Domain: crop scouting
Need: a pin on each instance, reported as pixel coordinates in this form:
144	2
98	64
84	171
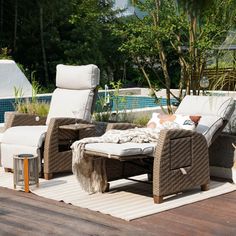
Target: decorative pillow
154	122
159	121
185	122
195	119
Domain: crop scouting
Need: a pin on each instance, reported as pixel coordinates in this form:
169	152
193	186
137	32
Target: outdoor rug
127	199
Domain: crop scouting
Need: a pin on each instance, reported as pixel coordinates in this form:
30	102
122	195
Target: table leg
26	174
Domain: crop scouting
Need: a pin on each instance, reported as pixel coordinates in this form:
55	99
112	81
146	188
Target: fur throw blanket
90	172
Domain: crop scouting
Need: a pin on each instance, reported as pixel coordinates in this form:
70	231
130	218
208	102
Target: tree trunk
15	25
182	69
1	19
43	43
166	76
193	53
162	56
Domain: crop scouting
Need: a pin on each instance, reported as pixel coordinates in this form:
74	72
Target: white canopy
12	77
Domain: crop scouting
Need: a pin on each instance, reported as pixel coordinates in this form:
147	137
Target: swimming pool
7	104
121	103
128	102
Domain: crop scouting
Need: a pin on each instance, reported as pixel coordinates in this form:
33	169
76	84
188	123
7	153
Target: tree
41	34
188	29
146	40
41	26
91	39
207	25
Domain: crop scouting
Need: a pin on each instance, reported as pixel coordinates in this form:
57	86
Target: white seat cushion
123	149
1	135
205	105
208	125
9	150
32	136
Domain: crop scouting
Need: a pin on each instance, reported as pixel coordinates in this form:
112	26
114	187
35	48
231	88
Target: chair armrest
51	139
179	151
51	147
22	119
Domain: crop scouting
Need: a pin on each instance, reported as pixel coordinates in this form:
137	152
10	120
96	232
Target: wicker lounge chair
181	160
76	90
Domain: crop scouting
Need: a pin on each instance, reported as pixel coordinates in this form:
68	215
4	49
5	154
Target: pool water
7	104
120	103
132	102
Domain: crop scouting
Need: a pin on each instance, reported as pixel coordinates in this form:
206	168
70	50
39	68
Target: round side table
26	172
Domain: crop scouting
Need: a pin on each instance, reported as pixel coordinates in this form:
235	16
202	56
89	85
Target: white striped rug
127	200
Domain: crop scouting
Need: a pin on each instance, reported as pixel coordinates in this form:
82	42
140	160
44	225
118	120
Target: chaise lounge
180	157
76	90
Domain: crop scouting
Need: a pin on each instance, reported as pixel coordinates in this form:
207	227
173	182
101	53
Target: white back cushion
205	105
77	77
64	101
208	125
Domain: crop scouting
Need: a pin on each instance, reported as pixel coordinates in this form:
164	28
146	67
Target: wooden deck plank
215	216
28	214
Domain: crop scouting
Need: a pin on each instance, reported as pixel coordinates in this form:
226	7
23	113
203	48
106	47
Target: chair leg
8	170
48	176
150	177
205	187
107	188
157	199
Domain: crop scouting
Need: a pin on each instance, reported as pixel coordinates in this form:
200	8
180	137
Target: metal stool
26	172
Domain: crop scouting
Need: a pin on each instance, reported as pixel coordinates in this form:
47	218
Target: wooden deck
27	214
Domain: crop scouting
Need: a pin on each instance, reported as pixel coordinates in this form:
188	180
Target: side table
73	132
26	171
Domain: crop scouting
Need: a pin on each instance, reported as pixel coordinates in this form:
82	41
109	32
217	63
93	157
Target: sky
122	4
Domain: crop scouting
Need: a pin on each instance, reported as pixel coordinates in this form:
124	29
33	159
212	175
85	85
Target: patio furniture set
178	161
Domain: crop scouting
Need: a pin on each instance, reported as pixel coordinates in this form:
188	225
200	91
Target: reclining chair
180	159
76	90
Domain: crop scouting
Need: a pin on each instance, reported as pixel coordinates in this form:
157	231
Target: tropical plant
112	106
141	120
4	53
18	93
103	109
36	108
31	106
